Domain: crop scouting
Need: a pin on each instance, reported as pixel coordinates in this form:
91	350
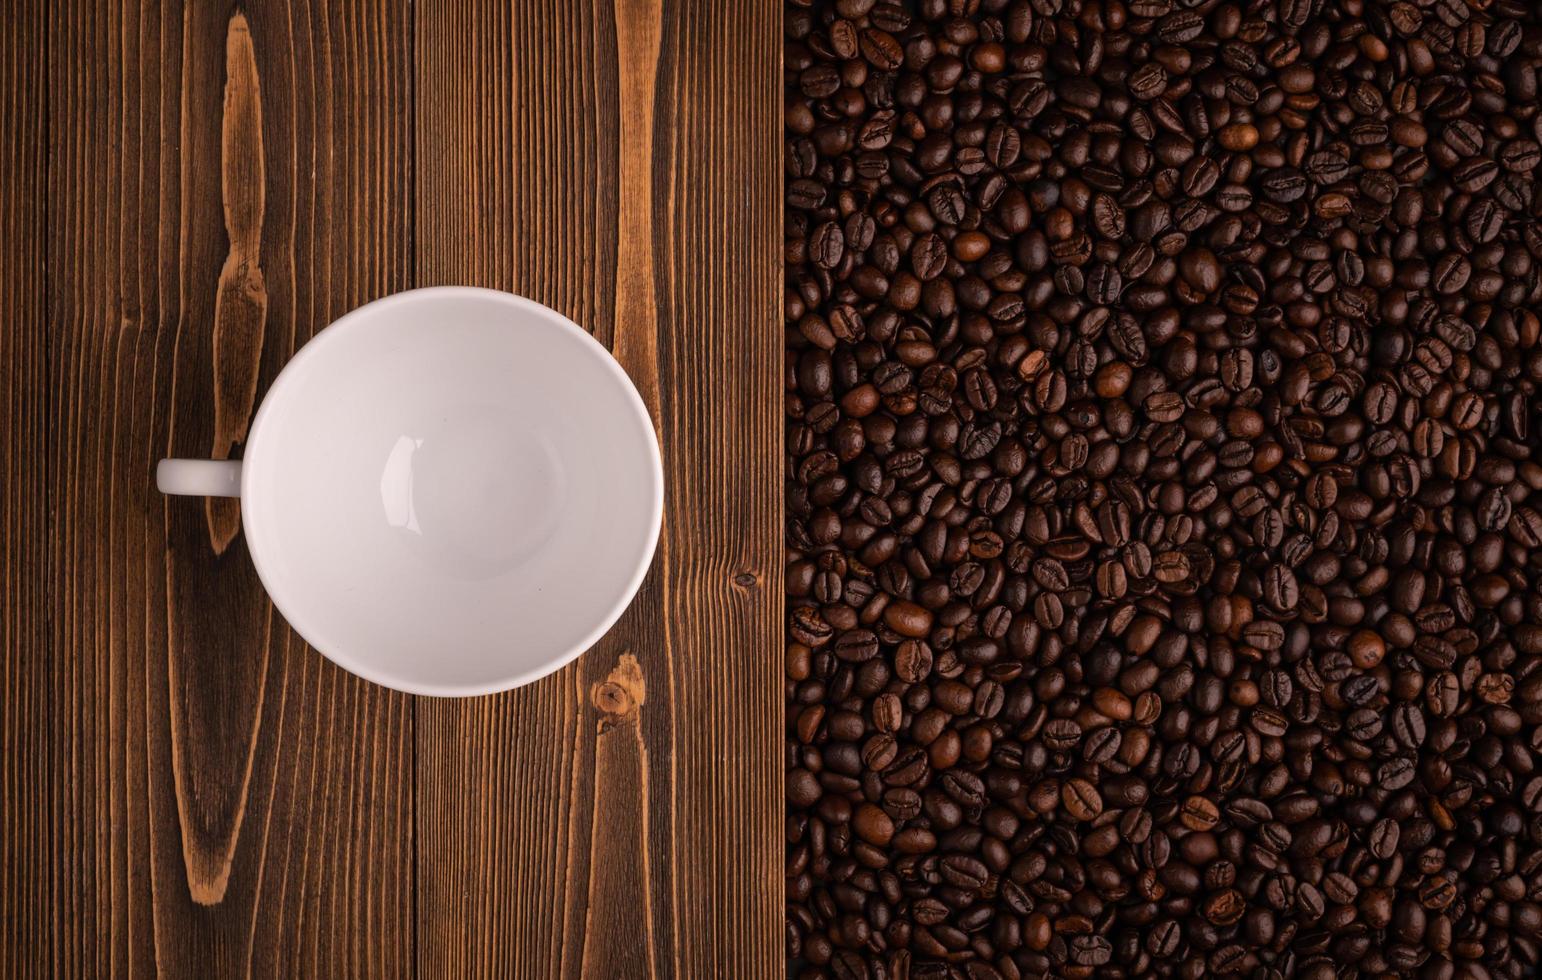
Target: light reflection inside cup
476	497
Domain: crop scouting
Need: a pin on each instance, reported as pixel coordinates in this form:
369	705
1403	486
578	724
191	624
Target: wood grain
221	186
189	191
619	162
241	303
29	753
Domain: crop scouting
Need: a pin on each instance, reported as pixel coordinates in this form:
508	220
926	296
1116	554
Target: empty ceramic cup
450	491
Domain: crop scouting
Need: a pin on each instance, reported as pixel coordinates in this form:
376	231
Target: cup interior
452	491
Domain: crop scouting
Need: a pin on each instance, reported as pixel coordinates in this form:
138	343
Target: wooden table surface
189	191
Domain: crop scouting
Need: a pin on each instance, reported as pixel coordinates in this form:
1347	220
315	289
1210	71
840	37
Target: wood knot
621	694
612	698
746	580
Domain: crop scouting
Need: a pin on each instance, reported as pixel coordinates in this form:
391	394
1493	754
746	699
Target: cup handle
199	477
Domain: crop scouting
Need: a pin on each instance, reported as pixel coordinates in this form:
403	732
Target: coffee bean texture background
1164	488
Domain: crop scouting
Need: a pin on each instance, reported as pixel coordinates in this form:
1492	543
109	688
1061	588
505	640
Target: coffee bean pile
1164	488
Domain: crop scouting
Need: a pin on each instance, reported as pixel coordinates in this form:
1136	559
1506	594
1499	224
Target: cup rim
343	330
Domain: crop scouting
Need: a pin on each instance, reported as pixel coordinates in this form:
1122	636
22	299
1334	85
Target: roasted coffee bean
856	645
1082	800
964	872
1163	488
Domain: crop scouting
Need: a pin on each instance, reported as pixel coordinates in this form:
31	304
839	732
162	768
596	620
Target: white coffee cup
449	491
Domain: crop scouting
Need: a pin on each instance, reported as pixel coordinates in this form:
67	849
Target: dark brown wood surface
188	192
30	754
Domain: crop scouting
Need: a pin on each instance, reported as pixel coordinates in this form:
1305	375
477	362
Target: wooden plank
29	754
618	160
222	185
